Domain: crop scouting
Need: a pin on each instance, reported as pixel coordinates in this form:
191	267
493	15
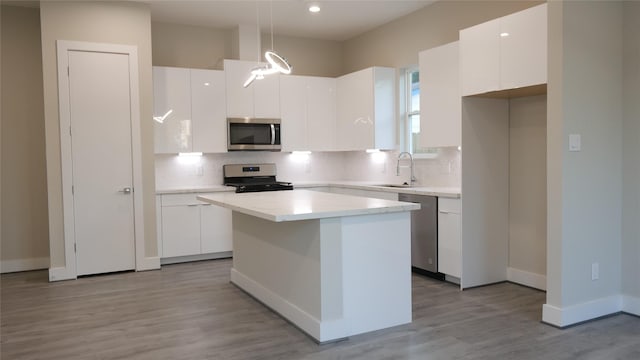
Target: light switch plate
575	142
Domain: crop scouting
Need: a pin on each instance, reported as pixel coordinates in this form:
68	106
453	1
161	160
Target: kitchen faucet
400	157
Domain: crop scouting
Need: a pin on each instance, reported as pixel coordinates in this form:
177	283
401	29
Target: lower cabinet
191	227
449	241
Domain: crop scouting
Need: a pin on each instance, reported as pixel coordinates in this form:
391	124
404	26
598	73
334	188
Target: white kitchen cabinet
215	229
208	109
321	113
293	106
180	230
440	101
366	110
261	99
189	110
449	241
307	107
172	110
191	227
505	53
523	54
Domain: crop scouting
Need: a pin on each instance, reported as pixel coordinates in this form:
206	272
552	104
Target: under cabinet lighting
314	8
504	34
190	154
300	152
372	151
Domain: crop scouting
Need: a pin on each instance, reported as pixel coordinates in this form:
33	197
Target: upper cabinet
505	53
172	110
208	109
189	110
261	99
440	102
366	110
307	105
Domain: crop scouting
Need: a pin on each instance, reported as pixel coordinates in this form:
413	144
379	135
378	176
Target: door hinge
72	190
75	249
68	72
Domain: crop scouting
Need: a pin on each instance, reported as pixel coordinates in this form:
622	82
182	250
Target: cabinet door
384	112
523	53
480	58
159	224
266	97
355	121
180	230
172	110
321	113
440	102
215	225
239	98
208	106
449	243
294	112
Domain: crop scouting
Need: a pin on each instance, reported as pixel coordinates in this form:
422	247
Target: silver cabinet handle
126	190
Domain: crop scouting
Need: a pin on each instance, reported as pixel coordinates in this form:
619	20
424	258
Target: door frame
63	47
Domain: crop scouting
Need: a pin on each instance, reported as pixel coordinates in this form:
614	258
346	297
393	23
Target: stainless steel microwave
253	134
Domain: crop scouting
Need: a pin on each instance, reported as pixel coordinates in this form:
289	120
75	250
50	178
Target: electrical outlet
595	271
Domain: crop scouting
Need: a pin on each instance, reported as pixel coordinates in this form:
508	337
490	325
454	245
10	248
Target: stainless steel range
253	178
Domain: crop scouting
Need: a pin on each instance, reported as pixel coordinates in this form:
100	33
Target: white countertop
448	192
295	205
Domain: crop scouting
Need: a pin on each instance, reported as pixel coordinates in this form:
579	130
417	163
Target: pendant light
275	63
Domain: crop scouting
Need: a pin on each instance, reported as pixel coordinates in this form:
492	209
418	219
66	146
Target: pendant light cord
271	15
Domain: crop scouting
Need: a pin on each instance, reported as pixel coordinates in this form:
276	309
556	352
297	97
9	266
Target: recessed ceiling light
314	8
504	34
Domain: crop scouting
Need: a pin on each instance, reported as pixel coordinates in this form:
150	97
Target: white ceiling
338	20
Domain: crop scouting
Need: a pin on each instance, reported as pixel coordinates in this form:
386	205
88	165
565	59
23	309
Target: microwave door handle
273	134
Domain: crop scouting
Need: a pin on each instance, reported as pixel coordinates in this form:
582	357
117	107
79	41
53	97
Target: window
411	125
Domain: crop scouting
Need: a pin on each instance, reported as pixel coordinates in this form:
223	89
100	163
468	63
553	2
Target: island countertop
293	205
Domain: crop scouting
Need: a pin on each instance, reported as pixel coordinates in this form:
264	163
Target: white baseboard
321	331
15	265
61	273
182	259
631	305
526	278
578	313
148	263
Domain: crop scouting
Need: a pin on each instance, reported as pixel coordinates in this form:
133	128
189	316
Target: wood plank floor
191	311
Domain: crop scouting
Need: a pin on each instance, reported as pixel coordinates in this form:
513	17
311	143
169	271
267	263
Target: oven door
253	134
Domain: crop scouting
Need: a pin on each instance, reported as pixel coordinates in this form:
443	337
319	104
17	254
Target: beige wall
528	184
25	231
631	151
106	22
308	56
189	46
205	48
397	43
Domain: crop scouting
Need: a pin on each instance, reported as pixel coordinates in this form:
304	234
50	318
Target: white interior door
100	115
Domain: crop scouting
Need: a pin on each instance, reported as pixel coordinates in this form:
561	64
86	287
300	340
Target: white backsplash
173	171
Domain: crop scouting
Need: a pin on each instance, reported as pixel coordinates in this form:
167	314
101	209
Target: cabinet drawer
180	200
449	205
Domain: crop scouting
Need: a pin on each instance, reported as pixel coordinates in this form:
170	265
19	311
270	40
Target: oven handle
273	134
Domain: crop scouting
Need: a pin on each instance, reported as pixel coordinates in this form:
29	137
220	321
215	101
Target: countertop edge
418	190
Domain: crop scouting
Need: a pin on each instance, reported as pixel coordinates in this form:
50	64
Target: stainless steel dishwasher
424	234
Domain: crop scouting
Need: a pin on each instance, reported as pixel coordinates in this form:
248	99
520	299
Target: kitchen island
333	265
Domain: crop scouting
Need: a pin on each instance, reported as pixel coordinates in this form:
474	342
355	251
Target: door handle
126	190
